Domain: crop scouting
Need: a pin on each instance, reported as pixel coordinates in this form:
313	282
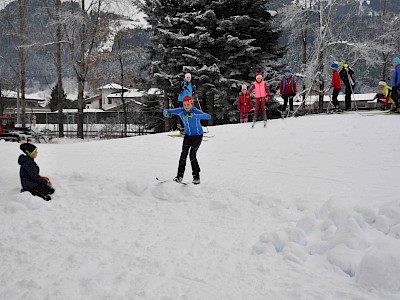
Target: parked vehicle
9	132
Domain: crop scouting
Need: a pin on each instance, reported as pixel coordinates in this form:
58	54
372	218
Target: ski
205	137
265	124
170	180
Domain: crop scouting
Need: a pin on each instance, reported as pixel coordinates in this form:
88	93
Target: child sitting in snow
31	181
190	117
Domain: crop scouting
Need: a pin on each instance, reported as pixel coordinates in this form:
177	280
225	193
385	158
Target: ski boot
196	179
254	122
178	178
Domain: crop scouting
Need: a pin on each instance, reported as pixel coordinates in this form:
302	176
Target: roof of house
131	93
112	86
129	102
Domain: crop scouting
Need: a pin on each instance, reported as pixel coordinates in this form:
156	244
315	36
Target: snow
306	208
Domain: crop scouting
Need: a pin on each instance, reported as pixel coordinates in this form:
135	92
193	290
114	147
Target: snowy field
307	208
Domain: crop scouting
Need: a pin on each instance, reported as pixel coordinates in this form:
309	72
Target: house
113	95
34	103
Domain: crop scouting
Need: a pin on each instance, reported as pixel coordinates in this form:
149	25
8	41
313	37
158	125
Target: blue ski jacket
186	89
191	119
396	77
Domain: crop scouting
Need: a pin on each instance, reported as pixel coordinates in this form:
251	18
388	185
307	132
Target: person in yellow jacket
386	97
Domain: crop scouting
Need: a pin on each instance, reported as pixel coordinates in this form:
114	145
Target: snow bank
292	211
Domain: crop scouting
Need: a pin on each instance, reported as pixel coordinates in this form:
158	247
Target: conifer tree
221	43
53	104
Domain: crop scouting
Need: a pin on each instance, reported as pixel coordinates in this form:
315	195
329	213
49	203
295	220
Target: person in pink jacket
245	105
261	91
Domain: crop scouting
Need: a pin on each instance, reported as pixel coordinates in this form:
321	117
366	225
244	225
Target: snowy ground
307	208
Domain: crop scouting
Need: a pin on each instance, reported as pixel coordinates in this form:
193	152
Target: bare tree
22	15
59	69
83	31
327	36
389	29
55	16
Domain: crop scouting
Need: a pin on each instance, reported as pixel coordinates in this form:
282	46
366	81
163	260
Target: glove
167	114
188	116
186	87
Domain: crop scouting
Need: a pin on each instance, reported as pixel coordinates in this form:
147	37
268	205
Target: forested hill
39	43
40	66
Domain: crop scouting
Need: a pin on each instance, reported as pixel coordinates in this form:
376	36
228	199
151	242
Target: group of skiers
389	98
191	116
342	72
287	88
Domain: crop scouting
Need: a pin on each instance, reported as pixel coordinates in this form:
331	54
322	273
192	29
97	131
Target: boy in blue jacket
190	117
186	88
31	181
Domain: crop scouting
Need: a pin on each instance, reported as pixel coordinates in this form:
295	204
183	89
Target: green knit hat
28	148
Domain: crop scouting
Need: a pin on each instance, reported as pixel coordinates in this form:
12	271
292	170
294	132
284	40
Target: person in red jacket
245	105
261	91
335	84
288	88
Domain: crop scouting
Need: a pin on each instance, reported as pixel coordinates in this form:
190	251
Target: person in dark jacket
288	89
346	74
396	82
31	181
190	117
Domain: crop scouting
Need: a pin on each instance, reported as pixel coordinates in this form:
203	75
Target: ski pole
198	102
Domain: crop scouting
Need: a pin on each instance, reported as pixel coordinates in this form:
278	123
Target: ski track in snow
306	208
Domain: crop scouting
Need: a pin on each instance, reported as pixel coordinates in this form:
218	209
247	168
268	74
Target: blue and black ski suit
193	136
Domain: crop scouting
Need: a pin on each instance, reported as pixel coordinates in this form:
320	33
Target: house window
109	101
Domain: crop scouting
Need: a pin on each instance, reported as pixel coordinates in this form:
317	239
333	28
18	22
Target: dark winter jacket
396	77
288	85
244	103
346	74
29	173
191	119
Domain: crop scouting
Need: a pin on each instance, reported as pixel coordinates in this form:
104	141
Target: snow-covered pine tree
223	44
242	41
172	42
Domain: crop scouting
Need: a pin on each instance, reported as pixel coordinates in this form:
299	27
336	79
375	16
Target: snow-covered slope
306	208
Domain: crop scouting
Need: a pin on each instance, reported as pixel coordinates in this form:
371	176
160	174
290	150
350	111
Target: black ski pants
190	146
335	94
395	95
287	97
41	191
347	97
